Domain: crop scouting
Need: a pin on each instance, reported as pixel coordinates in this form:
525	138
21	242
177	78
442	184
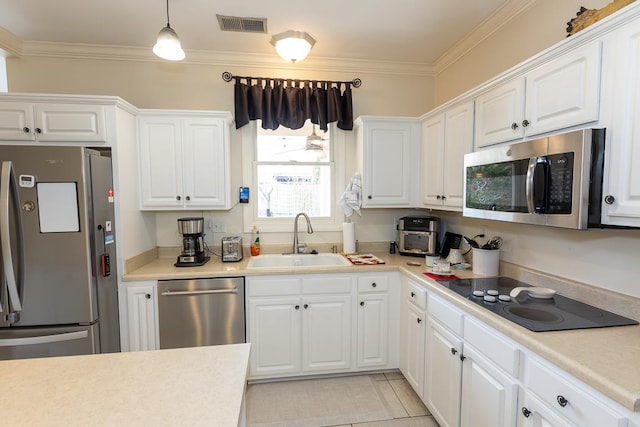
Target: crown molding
9	43
225	59
489	26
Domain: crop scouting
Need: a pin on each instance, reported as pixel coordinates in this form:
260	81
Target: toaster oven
231	249
418	235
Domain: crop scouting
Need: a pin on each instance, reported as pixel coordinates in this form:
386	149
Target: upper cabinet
560	93
184	161
621	183
60	122
446	138
388	158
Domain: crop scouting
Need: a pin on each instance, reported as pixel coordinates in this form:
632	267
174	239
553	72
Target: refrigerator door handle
43	339
8	191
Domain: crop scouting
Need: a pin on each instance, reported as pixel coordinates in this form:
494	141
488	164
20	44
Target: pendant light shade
293	46
168	45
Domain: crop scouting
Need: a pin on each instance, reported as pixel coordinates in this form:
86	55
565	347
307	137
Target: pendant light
292	45
168	44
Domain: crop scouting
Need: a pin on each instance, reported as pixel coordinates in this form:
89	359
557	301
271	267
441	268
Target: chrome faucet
295	230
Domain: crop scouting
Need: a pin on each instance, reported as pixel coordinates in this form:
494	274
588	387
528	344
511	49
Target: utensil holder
486	262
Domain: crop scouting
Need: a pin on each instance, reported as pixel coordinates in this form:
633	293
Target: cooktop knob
478	293
493	292
489	298
504	298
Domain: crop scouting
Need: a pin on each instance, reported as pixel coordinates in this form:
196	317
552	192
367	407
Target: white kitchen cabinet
372	346
49	122
560	93
184	161
412	341
141	317
446	138
443	382
621	184
388	159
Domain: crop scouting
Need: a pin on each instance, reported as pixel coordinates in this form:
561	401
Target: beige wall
195	86
535	29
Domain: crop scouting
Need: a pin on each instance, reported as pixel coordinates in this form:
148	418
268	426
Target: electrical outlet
219	227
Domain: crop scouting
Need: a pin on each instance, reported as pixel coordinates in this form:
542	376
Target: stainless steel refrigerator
58	294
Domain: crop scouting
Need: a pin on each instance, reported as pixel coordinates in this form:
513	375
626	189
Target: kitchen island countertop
186	386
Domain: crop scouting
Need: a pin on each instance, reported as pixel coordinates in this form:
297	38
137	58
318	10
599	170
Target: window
294	171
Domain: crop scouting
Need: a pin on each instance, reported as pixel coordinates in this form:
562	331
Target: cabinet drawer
489	342
446	314
376	283
417	295
326	285
271	286
580	407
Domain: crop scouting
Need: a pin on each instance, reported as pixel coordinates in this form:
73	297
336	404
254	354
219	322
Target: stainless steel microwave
555	181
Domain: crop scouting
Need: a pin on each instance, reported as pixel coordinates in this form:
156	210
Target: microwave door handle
9	191
529	184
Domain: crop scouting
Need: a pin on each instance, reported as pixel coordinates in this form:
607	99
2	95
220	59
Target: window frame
280	224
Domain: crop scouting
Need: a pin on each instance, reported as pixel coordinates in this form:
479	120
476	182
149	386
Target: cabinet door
70	122
373	321
621	186
564	92
141	318
443	380
458	141
489	396
274	334
499	114
160	163
433	160
326	333
16	121
204	163
415	350
386	171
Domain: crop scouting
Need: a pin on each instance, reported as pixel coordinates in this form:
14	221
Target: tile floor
404	406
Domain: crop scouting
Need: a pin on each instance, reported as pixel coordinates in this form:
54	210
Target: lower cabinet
412	334
319	323
138	329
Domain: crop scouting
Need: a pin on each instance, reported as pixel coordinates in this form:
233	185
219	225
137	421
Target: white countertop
187	386
605	358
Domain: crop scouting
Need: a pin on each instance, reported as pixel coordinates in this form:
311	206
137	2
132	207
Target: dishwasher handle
203	292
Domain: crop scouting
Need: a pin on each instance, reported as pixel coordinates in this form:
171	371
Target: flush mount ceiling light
168	44
292	45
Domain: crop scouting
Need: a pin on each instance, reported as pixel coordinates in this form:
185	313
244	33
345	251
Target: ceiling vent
243	25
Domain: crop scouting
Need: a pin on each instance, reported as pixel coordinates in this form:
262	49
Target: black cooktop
538	315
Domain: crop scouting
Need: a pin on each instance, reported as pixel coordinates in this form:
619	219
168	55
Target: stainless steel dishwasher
201	312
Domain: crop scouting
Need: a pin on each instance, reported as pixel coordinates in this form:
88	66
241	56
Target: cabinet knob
373	285
514	126
562	401
188	198
297	307
362	303
609	199
462	357
444	197
438	197
147	296
38	130
26	129
525	123
306	306
369	197
453	351
419	320
413	294
526	412
178	198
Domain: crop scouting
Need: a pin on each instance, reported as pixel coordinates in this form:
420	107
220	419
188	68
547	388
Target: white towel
351	199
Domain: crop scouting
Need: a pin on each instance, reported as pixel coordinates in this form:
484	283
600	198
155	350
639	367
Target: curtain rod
227	77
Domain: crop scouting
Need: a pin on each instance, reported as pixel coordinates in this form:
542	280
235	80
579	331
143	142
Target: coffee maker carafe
193	251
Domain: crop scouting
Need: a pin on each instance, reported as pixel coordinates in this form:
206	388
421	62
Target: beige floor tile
393	375
409	398
378	377
426	421
391	399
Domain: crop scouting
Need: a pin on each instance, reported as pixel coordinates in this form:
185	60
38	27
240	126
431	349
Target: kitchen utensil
413	263
471	242
495	243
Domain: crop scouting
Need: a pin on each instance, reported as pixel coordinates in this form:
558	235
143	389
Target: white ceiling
417	31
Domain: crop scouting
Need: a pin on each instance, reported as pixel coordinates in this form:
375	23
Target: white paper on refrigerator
58	207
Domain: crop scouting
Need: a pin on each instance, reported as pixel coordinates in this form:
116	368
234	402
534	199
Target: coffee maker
193	251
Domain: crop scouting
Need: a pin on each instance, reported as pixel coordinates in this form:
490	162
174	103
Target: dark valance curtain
290	103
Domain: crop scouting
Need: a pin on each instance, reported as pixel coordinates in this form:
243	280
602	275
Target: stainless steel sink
297	261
